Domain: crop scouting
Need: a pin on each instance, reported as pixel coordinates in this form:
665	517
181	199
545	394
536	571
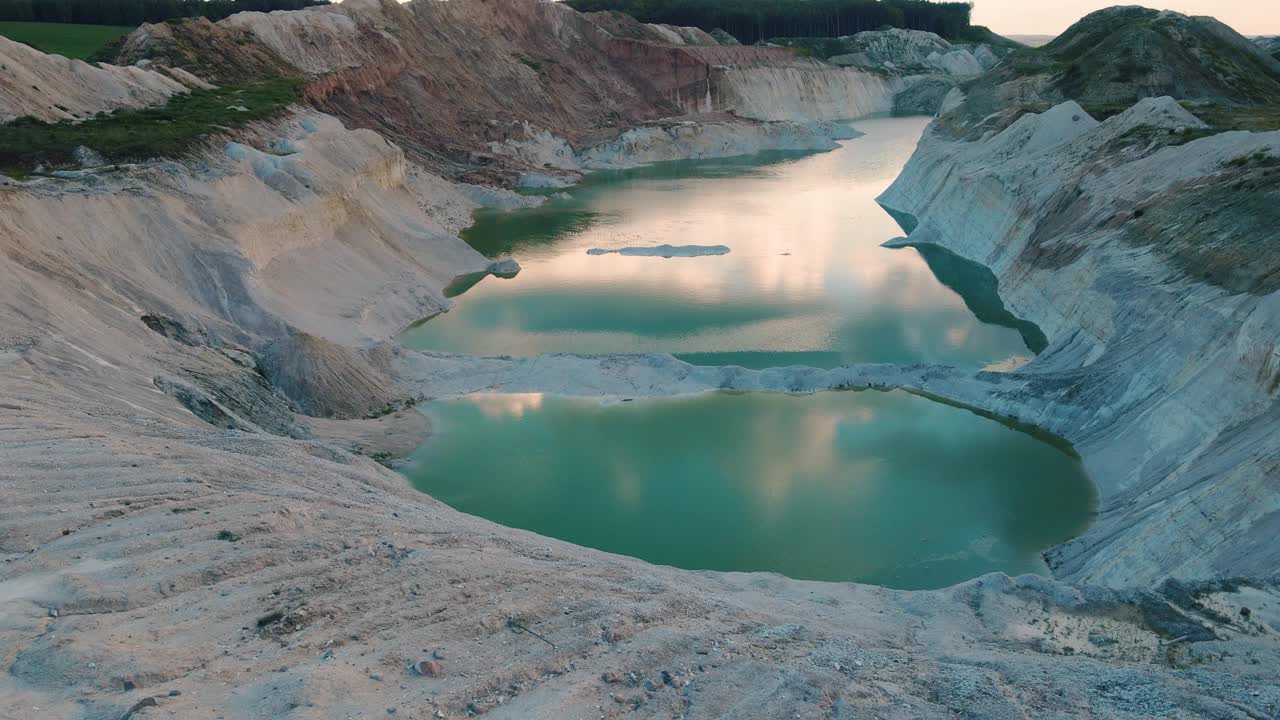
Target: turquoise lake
875	487
805	283
884	488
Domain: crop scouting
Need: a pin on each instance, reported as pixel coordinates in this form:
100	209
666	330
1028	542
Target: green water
806	281
883	488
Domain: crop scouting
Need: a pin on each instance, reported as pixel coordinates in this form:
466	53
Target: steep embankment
497	74
920	66
51	87
1271	46
1144	251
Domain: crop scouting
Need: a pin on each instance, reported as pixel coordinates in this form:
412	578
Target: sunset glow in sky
1050	17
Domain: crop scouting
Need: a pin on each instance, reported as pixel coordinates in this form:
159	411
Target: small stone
53	612
129	685
1100	640
391	711
651	685
667	678
175	693
506	268
375	677
427	668
438	655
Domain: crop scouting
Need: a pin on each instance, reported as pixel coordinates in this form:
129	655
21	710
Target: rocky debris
427	668
1270	45
899	51
202	405
137	707
87	158
621	25
724	38
325	379
924	96
926	66
174	330
505	268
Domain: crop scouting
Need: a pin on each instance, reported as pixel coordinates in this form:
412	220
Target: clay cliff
497	72
1143	246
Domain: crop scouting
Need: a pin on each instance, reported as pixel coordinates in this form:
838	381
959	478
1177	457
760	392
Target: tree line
135	12
754	20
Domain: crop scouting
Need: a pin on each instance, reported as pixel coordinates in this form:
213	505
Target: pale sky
1050	17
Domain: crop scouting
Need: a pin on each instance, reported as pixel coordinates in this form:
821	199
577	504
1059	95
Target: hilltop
1115	57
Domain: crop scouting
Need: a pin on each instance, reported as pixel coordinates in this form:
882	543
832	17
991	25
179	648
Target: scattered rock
87	157
506	268
611	677
143	703
269	618
427	668
1100	640
724	38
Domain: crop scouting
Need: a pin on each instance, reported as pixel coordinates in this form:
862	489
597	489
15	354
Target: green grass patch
1222	117
73	41
168	131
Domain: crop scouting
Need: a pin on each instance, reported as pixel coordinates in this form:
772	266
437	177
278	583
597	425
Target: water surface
883	488
806	281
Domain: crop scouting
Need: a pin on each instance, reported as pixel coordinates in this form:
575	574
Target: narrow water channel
805	282
884	488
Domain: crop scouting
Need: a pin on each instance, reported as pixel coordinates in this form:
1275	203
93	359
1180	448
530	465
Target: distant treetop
751	21
135	12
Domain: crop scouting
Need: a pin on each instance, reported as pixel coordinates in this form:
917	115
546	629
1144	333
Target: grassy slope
73	41
1109	60
127	135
